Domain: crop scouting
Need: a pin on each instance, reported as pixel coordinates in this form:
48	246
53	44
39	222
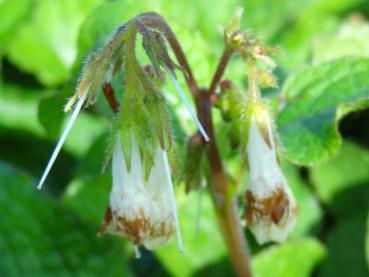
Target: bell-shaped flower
271	207
141	210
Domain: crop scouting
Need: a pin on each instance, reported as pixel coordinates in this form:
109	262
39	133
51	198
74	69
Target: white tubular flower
271	212
143	211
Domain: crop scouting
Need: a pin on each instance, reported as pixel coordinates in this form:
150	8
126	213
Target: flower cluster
271	207
142	205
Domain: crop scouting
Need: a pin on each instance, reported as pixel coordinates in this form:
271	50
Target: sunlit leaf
349	40
18	108
313	19
12	13
46	44
291	259
318	97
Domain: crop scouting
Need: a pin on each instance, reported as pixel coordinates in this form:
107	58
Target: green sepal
233	105
259	110
98	66
156	49
232	101
192	174
143	115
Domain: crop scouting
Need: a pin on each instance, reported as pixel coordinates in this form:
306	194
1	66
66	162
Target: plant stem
227	53
110	97
225	204
253	89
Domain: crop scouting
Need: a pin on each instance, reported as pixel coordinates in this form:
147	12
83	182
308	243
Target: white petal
63	137
128	194
188	105
262	158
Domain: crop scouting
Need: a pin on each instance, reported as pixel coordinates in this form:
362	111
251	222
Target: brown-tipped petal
141	209
271	207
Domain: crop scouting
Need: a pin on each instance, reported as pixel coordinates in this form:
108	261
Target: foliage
321	111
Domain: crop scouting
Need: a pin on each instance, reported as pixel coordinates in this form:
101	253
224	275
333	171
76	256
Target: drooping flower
271	206
143	211
142	205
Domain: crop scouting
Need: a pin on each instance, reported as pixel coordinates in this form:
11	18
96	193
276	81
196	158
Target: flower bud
140	209
271	207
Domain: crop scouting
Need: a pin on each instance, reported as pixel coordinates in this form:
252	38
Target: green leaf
89	197
291	259
202	241
258	14
367	241
38	237
349	40
310	212
317	98
18	108
51	115
312	20
337	184
46	44
12	13
346	249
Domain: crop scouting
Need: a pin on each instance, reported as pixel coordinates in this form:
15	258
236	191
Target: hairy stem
253	89
227	53
225	204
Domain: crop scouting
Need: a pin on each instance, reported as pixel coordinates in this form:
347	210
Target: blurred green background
53	232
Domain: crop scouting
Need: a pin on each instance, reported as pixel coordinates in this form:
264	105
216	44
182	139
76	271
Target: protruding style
63	137
188	105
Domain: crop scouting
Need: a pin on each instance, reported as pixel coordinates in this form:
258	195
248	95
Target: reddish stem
227	53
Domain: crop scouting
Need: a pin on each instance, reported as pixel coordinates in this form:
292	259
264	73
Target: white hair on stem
63	137
187	104
172	199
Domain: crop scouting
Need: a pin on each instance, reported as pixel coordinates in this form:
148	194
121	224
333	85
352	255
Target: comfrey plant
142	205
